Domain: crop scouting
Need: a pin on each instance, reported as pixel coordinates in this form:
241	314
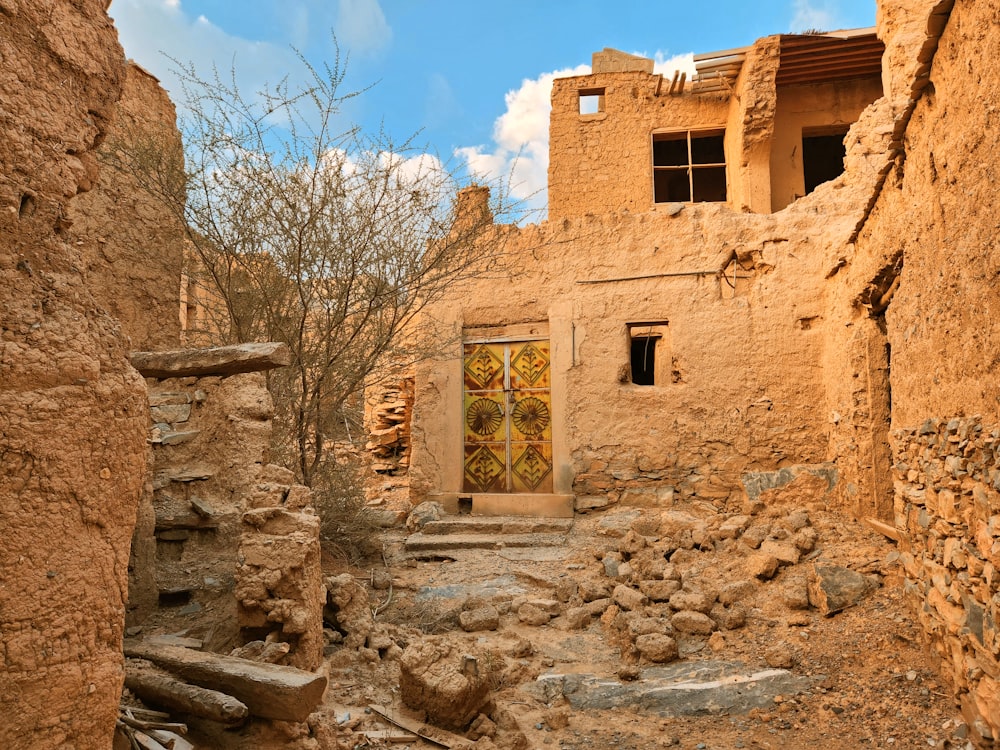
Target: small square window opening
591	101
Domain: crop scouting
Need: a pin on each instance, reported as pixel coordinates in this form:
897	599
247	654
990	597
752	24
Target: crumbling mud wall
72	411
935	221
229	545
132	246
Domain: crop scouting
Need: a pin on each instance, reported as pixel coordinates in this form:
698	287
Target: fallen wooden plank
170	740
166	690
435	735
146	742
269	690
885	529
390	736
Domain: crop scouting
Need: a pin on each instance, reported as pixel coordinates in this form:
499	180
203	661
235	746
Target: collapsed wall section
72	411
227	545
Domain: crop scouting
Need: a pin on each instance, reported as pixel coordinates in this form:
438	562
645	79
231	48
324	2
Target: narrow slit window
648	354
644	360
689	166
591	101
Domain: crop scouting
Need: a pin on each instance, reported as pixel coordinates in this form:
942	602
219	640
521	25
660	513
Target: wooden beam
269	691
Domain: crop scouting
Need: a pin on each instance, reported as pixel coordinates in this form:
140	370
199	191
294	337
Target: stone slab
676	690
219	360
509	504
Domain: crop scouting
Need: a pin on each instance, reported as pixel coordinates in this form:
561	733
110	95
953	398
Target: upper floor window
591	101
689	166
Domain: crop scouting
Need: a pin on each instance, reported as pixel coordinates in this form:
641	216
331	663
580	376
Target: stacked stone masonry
947	478
225	539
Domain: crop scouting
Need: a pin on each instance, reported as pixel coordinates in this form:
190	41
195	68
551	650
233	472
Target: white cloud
520	152
810	14
361	26
150	30
666	66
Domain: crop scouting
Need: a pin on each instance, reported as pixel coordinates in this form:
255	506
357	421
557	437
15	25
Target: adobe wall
743	371
72	411
132	247
601	163
229	546
937	213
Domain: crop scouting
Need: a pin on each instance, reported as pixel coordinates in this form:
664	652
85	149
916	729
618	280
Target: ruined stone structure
72	411
226	542
708	308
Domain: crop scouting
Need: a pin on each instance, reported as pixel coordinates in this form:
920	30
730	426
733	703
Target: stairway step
497	525
420	542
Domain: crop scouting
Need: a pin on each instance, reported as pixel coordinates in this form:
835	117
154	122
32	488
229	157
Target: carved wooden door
508	417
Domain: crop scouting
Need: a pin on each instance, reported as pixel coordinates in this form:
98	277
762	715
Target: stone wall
947	477
72	411
924	272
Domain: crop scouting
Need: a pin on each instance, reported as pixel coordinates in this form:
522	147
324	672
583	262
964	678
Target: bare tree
313	233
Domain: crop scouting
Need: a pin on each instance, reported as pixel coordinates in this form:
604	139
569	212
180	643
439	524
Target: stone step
420	542
505	525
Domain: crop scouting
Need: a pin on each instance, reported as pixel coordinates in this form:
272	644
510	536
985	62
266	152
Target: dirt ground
870	682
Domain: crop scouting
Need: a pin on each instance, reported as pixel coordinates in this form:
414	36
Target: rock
732	527
645	625
656	647
735	591
556	718
481	727
780	656
717	642
348	610
442	680
567	589
833	588
529	614
593	590
805	540
795	591
673	690
577	618
695	623
481	618
762	566
424	513
612	561
755	535
729	618
631	543
691	600
797	519
628	598
785	553
598	606
659	591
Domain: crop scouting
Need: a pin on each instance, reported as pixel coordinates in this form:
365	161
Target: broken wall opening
823	153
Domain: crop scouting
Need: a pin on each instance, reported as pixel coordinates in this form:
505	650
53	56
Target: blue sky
472	77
